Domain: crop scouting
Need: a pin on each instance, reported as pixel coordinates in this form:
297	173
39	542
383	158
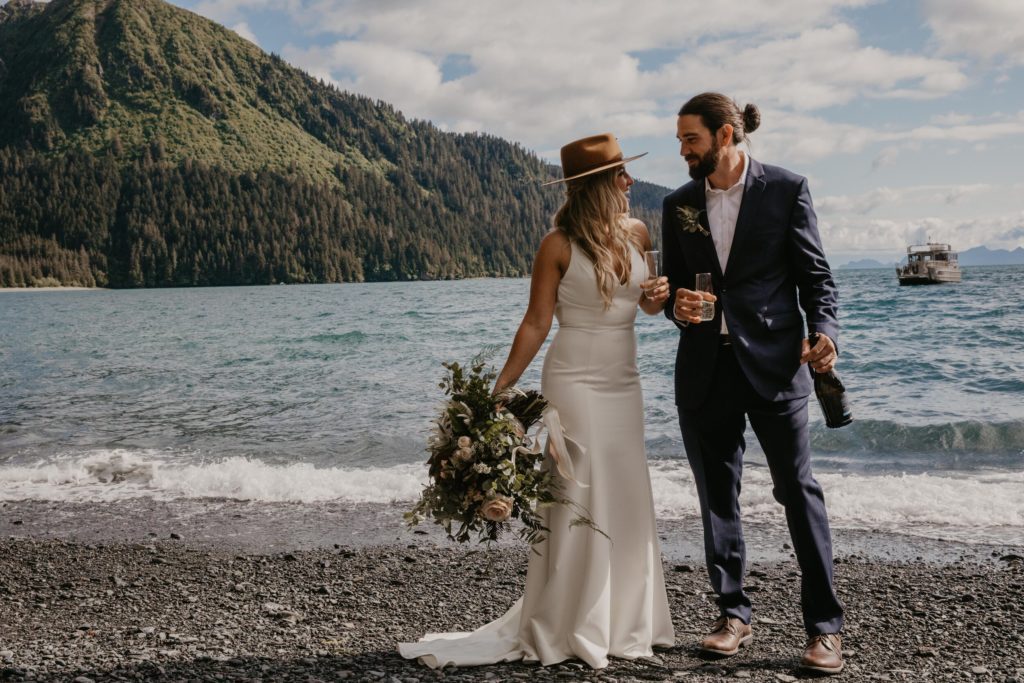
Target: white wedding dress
587	596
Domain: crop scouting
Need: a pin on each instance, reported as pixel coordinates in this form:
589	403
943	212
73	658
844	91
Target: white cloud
951	119
990	29
850	234
818	68
882	197
956	194
883	221
886	157
232	11
242	29
857	204
545	81
971	133
802	138
575	26
374	69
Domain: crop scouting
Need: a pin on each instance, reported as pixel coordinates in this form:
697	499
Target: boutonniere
689	220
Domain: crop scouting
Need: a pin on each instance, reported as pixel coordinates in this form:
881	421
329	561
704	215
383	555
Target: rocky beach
169	606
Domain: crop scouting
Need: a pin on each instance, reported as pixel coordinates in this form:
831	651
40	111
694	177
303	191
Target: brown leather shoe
728	635
824	654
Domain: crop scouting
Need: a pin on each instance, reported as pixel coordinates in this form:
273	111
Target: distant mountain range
976	256
864	264
142	145
983	256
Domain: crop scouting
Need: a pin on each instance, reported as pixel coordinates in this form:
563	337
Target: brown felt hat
591	155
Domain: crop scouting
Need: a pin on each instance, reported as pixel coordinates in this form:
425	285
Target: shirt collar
739	183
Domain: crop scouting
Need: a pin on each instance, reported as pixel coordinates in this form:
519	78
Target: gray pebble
374	599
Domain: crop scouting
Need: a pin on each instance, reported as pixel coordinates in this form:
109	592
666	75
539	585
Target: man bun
716	110
751	118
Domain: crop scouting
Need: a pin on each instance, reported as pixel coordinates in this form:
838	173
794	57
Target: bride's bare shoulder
639	230
557	237
555	247
556	241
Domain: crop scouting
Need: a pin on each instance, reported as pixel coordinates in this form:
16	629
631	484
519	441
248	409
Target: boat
929	264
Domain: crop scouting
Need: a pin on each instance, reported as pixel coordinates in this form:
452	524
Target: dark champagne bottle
831	395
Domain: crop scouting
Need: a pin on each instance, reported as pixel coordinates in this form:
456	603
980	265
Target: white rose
497	508
465	442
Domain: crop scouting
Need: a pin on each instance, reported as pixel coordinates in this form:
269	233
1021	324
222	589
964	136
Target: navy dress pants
713	437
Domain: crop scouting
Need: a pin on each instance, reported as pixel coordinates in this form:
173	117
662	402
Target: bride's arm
650	303
548	267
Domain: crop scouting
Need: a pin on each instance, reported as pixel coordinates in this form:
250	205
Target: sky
907	116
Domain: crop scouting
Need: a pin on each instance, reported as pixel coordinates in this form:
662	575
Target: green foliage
481	456
174	152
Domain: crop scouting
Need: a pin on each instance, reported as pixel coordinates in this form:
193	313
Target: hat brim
592	171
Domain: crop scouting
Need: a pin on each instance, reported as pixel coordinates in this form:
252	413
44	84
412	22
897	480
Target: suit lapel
702	243
753	189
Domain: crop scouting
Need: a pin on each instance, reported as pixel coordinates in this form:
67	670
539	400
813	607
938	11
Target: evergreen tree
252	172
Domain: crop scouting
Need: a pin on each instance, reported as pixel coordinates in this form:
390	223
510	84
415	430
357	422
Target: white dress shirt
723	210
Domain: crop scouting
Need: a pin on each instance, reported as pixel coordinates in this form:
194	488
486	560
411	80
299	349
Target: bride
587	596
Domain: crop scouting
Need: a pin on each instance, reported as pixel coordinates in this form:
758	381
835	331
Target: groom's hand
822	356
687	305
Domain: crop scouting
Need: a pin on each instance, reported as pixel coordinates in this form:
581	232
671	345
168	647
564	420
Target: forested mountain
143	145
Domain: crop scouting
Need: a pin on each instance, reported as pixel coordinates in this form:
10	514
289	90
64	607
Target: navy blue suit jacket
776	268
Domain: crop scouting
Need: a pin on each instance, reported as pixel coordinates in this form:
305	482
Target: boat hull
932	277
916	280
929	264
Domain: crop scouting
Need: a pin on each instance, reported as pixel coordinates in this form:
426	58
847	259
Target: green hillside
142	145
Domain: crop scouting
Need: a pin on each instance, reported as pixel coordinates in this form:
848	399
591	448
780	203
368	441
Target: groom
752	227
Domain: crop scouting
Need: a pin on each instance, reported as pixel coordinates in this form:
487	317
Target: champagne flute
707	308
651	261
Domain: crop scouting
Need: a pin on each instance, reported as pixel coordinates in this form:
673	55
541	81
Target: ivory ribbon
557	439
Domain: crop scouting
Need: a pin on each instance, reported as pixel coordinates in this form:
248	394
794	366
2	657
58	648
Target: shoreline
172	610
61	288
261	528
524	276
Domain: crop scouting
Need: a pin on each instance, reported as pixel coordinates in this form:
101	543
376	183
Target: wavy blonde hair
595	216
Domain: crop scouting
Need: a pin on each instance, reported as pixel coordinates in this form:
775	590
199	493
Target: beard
706	164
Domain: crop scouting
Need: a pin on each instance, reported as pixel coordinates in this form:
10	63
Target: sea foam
964	506
120	474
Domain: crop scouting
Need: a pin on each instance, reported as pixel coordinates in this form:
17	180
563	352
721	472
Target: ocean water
320	393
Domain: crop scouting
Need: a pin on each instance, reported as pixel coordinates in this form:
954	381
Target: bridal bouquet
485	467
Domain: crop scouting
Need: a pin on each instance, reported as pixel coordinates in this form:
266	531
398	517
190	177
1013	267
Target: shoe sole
727	653
823	669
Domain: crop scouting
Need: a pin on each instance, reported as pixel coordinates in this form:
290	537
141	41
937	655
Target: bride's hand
500	387
656	289
496	394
